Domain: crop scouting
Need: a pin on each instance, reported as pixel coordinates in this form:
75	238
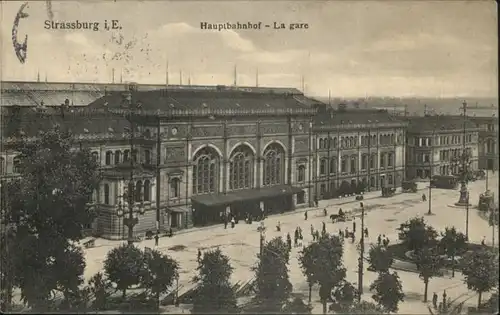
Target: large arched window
274	164
109	157
118	157
106	194
241	168
205	171
301	174
343	164
147	190
353	166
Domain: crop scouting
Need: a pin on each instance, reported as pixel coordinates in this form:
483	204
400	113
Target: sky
350	48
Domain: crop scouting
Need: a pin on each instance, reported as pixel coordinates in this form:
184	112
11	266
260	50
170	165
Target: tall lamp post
133	210
361	253
431	170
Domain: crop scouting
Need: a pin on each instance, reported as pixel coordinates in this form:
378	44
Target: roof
222	99
85	122
443	122
354	116
27	93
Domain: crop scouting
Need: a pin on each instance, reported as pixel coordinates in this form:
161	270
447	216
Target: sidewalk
322	204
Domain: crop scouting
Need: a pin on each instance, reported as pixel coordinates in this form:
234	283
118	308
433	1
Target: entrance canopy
245	195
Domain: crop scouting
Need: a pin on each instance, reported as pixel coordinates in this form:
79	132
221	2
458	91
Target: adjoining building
435	143
356	147
488	142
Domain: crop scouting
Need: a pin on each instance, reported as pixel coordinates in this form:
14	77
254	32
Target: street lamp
262	230
431	170
361	253
133	210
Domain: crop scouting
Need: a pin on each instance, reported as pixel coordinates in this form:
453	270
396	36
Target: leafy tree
273	286
297	306
100	288
416	234
345	295
453	243
321	262
480	269
379	258
364	307
159	273
47	206
215	293
124	266
388	291
428	263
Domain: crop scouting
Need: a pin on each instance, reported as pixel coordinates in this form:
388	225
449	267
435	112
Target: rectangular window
322	167
389	159
343	165
353	166
364	162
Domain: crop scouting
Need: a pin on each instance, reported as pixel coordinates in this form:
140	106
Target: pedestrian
296	237
289	241
278	226
312	232
300	234
199	255
233	222
366	232
325	212
483	241
323	230
379	240
341	213
354	226
444	300
316	201
353	237
317	235
346	232
305	215
225	222
434	300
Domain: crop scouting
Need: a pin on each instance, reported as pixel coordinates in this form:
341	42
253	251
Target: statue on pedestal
464	195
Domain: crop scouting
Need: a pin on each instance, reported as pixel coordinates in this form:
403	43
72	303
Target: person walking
278	226
312	233
233	222
300	233
225	221
354	226
305	215
379	240
296	237
434	300
366	232
199	255
325	212
323	229
289	241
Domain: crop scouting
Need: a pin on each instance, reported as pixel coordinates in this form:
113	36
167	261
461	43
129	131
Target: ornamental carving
300	127
175	154
176	132
273	129
207	131
239	130
302	145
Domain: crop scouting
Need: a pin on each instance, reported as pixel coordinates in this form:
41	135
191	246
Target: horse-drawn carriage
341	217
388	191
409	186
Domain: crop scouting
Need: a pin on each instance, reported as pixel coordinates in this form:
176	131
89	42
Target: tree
100	288
215	293
364	307
124	266
388	291
428	263
453	243
273	286
416	234
297	306
379	258
47	206
321	262
345	296
480	269
159	273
